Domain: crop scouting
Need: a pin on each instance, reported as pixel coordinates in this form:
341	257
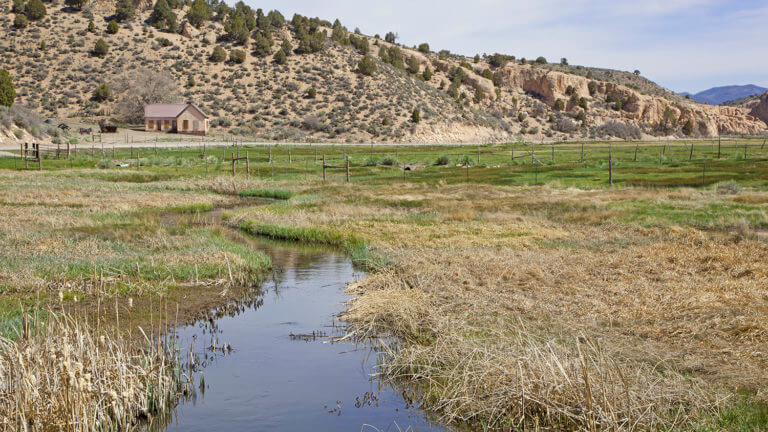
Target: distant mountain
718	95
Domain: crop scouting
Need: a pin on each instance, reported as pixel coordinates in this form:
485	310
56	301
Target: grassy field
522	295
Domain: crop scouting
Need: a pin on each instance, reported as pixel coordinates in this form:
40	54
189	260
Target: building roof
168	110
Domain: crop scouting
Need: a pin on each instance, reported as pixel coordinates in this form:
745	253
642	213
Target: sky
684	45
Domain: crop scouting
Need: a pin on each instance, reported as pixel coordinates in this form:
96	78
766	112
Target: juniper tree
35	10
7	92
199	12
124	10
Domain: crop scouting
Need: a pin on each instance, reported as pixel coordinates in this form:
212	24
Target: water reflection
270	360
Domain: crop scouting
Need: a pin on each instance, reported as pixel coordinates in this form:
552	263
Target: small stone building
179	118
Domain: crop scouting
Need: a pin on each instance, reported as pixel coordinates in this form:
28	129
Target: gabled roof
194	107
169	110
164	110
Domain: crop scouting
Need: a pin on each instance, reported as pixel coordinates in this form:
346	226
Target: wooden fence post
478	156
610	165
233	164
315	153
247	165
582	153
719	142
290	160
745	150
690	156
637	145
138	161
347	169
553	153
323	167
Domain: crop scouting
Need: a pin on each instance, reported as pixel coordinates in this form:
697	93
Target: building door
167	124
185	125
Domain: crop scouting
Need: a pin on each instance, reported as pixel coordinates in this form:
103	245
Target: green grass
675	168
281	194
743	415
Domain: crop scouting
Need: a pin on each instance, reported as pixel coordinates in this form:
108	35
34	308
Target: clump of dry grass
474	365
64	375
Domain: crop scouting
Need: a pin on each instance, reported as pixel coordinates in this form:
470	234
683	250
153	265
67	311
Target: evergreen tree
91	26
413	65
280	57
218	55
112	27
35	10
7	92
427	74
237	56
124	10
17	7
76	4
424	48
286	47
162	15
416	115
262	44
237	29
367	66
101	93
390	37
199	12
100	48
20	21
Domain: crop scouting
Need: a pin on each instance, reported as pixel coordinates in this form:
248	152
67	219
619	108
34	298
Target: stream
277	366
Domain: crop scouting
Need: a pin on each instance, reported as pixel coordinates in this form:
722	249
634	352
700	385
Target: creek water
284	371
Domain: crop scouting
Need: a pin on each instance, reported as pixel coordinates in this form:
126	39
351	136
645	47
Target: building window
151	125
167	124
185	125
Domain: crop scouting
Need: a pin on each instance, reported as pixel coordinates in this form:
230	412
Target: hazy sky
685	45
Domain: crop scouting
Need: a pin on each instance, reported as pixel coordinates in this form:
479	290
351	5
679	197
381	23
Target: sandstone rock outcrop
760	109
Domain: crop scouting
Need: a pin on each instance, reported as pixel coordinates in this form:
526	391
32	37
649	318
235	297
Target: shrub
389	161
499	60
390	37
20	21
262	44
218	55
564	61
7	92
619	130
100	48
199	12
102	92
76	4
487	74
565	125
236	28
592	87
541	60
124	10
367	66
559	105
237	56
91	26
280	57
688	128
415	115
17	7
427	74
581	116
35	10
112	27
424	48
413	65
311	93
162	16
312	122
443	160
371	162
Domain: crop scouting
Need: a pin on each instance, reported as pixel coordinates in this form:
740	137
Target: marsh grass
60	373
282	194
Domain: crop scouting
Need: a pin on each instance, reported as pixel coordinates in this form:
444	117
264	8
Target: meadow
622	288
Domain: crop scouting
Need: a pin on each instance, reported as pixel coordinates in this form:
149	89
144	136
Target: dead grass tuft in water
64	375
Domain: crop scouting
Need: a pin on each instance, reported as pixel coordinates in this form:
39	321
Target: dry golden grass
537	307
64	375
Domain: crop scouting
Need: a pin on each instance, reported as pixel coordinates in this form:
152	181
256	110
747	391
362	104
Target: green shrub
367	66
443	160
112	27
218	55
427	74
100	48
262	44
311	93
124	10
541	60
424	48
199	12
102	92
237	56
559	105
35	10
389	161
415	115
91	26
280	57
20	21
390	37
413	65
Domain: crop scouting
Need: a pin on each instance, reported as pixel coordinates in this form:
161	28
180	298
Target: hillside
720	95
319	93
